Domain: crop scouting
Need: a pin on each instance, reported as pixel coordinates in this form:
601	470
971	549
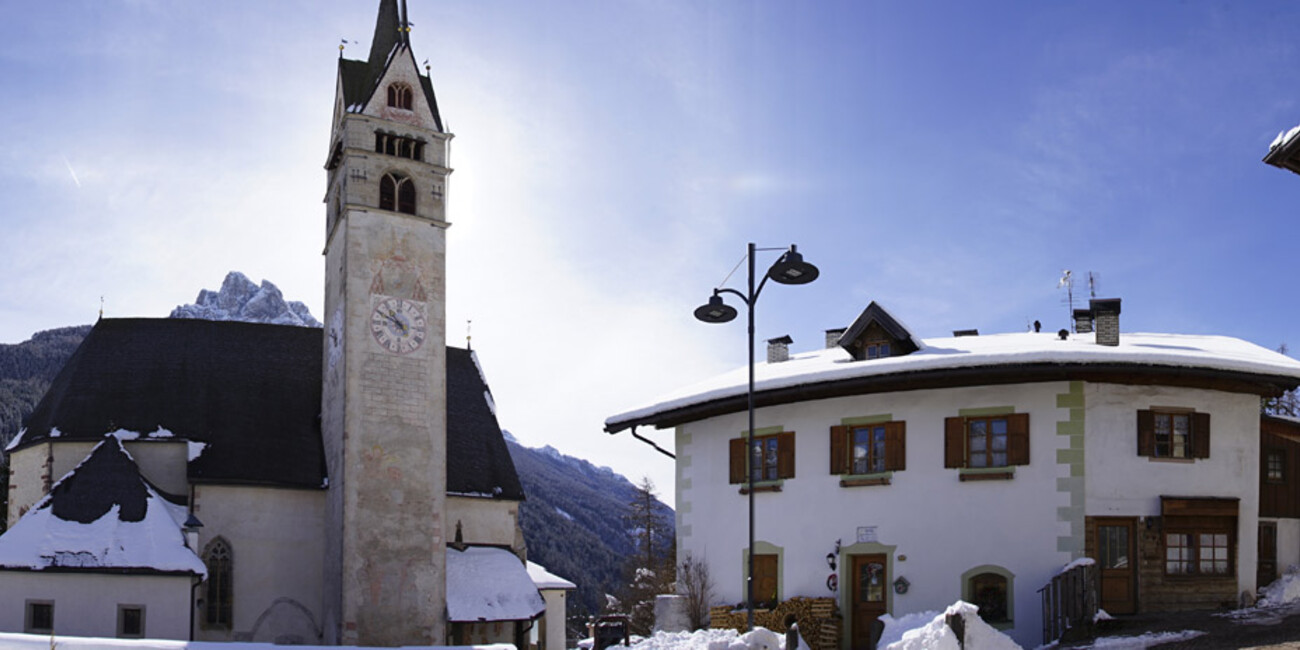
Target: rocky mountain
239	299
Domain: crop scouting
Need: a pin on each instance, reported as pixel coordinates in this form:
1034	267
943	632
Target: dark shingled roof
108	477
360	78
252	393
248	390
478	461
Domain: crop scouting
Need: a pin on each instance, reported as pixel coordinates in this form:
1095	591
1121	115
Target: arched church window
397	193
399	96
218	589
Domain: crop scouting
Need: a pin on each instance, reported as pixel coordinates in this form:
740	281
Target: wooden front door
870	588
1117	565
1267	568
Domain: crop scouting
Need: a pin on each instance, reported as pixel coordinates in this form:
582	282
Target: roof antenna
468	336
1067	281
101	308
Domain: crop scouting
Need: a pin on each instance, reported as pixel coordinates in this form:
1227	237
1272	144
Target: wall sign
867	534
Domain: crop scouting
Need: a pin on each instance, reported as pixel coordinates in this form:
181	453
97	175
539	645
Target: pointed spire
389	31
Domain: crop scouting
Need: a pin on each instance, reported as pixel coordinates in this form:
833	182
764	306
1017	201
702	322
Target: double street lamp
788	269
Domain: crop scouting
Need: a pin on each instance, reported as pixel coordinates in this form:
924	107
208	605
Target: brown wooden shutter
895	446
738	460
785	455
1146	433
954	442
1018	439
840	450
1200	435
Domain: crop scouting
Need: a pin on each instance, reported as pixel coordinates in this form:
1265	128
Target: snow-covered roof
489	584
545	579
102	515
968	360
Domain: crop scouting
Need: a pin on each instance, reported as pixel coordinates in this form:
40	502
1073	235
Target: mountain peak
239	299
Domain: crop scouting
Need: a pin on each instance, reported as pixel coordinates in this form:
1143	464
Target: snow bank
38	642
758	639
1150	639
1283	591
936	635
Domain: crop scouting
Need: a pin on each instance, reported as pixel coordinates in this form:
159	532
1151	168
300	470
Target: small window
1206	553
40	617
130	621
986	442
989	593
218	592
397	193
770	458
877	349
1171	433
399	96
1275	466
868	448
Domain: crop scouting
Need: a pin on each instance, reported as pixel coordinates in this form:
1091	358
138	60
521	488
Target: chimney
1106	315
778	349
1082	321
833	337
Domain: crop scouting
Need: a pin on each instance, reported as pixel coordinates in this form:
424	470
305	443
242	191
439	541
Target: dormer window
399	96
876	335
877	349
397	193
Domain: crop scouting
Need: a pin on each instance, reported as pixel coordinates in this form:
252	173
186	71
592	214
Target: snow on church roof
489	584
101	516
1136	352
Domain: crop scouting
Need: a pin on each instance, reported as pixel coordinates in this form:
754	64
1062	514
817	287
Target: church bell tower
384	400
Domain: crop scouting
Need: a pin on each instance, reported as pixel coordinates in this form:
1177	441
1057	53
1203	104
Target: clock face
398	325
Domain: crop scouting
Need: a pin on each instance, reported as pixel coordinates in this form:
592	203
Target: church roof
101	516
250	394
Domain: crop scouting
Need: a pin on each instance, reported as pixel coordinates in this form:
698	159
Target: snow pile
241	300
936	635
1148	640
489	584
758	639
1283	591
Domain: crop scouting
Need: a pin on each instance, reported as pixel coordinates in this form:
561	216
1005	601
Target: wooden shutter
954	442
895	446
738	459
840	449
1200	434
1146	433
1018	439
785	455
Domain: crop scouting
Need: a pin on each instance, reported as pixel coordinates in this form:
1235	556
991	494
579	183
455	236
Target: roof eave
1115	373
1286	155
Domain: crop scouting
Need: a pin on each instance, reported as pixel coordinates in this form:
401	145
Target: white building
977	467
231	481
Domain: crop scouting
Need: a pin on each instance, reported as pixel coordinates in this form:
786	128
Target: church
228	481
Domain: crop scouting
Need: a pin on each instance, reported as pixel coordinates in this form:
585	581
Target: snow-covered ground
37	642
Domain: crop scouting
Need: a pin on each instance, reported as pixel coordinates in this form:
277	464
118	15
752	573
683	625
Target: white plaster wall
1288	545
944	527
277	545
1122	483
27	469
86	604
553	620
483	521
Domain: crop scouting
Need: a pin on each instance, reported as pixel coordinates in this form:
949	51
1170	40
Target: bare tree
694	583
1285	405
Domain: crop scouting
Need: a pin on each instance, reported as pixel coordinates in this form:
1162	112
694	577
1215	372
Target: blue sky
947	159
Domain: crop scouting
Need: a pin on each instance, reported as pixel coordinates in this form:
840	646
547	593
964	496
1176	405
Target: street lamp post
788	269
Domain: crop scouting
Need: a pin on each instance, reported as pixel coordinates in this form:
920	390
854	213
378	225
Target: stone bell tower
384	400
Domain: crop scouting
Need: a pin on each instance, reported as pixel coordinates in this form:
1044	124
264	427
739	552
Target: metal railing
1069	602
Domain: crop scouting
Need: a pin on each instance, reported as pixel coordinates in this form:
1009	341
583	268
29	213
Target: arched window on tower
218	589
397	193
399	96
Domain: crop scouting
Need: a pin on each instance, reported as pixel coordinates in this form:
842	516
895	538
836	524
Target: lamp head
791	269
715	311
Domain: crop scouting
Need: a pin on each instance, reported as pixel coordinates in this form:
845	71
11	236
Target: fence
1070	602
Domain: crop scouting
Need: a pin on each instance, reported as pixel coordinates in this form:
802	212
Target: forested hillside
26	370
575	522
